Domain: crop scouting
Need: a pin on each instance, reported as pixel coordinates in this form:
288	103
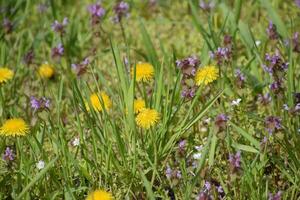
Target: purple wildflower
178	174
188	92
203	196
7	26
182	147
272	31
275	65
28	57
8	155
276	196
221	55
227	40
235	161
188	65
97	12
297	2
221	121
264	99
81	67
57	52
39	104
121	10
273	124
60	27
277	87
206	6
296	42
207	186
240	78
169	172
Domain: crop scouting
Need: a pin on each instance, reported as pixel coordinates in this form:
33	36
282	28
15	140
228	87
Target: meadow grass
217	119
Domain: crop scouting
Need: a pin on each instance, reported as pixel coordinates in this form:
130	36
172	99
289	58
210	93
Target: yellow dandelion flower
99	195
14	127
144	72
147	118
5	74
46	70
138	105
206	75
96	103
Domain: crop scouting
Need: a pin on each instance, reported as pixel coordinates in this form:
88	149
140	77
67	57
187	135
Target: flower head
188	66
41	103
206	6
273	124
272	31
235	161
96	102
99	195
139	105
240	78
46	71
14	127
147	118
81	68
221	121
8	155
58	51
60	27
222	54
40	165
5	74
97	12
121	10
206	75
276	196
144	72
264	99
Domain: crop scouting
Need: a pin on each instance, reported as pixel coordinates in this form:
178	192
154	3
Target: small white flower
285	107
199	148
207	120
299	130
76	142
40	165
236	102
257	42
197	156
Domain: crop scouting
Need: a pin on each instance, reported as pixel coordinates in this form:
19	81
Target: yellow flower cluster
5	74
206	75
14	127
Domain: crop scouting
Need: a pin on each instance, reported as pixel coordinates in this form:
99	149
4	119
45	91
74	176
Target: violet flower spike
221	121
121	10
235	161
276	196
58	51
8	155
97	12
60	27
272	31
273	124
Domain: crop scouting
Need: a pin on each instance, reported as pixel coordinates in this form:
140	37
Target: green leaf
246	135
